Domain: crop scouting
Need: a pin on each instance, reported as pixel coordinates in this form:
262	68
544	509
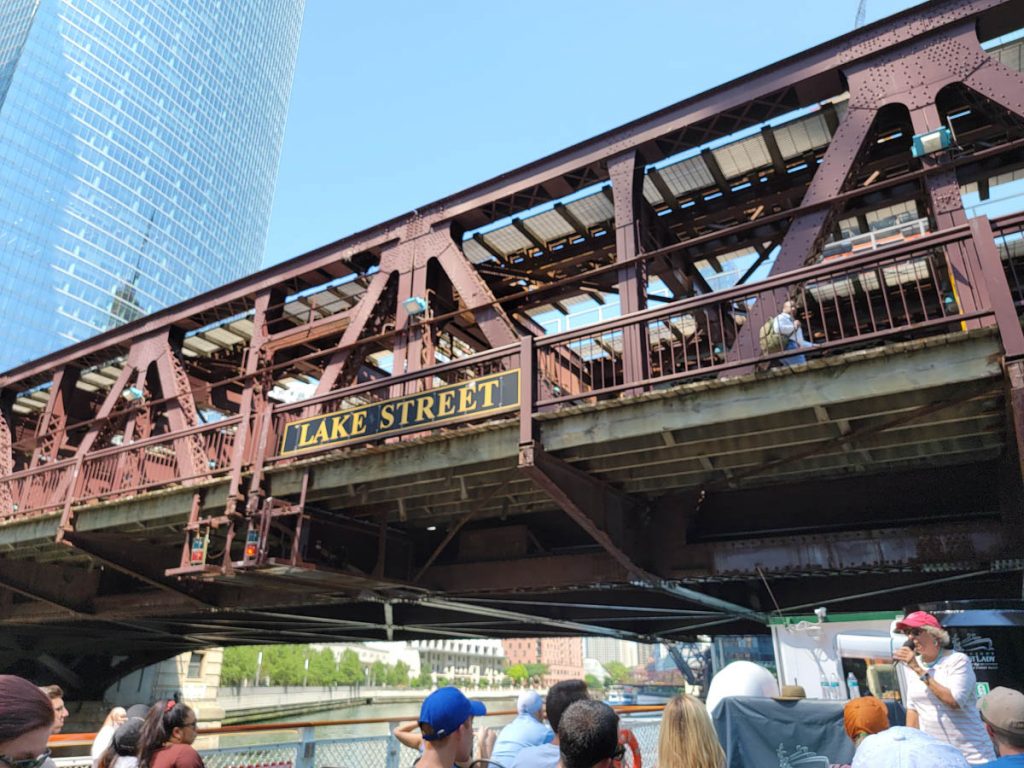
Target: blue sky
398	103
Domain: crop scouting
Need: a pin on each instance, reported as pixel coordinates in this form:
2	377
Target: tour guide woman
941	698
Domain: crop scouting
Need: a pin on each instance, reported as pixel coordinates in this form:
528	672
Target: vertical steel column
626	172
51	429
6	451
997	289
254	396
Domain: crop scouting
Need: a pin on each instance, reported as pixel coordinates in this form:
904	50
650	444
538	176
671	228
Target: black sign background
488	394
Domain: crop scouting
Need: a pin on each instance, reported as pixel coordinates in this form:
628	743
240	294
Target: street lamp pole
259	666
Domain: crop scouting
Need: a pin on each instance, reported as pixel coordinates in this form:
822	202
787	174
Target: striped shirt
960	727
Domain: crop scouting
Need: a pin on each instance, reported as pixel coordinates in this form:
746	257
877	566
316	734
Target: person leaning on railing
26	720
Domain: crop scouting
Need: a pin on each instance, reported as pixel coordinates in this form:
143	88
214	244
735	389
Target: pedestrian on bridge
167	736
26	720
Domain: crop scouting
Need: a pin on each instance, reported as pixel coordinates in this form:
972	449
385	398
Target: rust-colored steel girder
126	413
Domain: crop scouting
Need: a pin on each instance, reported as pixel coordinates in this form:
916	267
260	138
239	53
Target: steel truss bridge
295	457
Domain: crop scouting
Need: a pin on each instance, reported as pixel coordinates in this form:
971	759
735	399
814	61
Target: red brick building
562	655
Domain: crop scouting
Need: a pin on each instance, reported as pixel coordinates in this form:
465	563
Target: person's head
116	716
1002	711
168	722
687	739
864	717
124	743
560	696
446	722
530	703
56	696
26	720
924	629
901	747
588	735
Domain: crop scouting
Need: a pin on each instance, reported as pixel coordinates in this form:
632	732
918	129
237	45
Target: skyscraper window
139	144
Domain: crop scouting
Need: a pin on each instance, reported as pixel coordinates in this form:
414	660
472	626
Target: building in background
194	675
388	653
139	144
606	649
562	655
463	660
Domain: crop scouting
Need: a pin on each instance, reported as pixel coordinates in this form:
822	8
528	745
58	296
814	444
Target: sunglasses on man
29	762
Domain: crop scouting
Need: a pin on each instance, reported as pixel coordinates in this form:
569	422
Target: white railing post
394	747
306	751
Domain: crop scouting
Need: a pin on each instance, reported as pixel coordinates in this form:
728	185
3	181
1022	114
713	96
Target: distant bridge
379	440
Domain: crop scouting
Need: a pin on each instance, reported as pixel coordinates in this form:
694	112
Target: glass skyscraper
139	144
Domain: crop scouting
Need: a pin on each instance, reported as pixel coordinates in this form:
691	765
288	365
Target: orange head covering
865	715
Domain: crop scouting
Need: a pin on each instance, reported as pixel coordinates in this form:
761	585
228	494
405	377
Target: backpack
770	339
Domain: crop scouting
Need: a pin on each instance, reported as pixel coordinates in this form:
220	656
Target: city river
391	710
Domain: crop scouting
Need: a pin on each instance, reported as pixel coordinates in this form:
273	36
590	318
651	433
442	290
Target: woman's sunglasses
619	753
31	762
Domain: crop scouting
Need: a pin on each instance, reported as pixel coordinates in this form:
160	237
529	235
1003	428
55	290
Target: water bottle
826	688
853	686
837	695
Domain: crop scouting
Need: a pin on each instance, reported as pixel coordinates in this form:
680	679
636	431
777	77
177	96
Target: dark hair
53	691
23	708
560	696
163	718
587	733
124	742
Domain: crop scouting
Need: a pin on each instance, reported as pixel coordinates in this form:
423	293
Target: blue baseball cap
445	710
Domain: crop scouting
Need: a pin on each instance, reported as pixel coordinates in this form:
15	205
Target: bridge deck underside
752	491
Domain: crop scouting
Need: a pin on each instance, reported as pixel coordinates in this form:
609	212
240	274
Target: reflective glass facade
139	143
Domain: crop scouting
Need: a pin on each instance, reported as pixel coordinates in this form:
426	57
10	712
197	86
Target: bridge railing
955	280
898	293
125	470
1009	237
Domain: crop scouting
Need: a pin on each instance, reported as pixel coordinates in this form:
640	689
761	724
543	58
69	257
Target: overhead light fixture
415	305
933	141
431	527
131	394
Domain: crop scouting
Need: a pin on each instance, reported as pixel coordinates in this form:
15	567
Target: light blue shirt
1010	761
524	731
544	756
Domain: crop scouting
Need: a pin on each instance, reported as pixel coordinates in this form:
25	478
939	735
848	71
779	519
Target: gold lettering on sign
453	402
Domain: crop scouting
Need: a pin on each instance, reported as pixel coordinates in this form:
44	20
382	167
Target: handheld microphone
909	644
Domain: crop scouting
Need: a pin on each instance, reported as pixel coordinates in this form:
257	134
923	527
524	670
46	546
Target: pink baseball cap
917	619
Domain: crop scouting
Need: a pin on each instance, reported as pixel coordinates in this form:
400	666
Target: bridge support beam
627	175
70	589
613	519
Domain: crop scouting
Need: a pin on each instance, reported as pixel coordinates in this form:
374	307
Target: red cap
917	619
